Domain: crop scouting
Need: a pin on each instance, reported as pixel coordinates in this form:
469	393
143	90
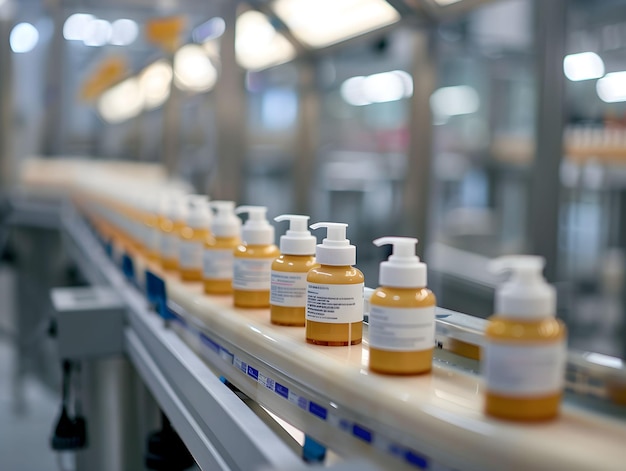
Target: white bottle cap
257	230
297	240
526	294
225	222
335	249
198	212
403	269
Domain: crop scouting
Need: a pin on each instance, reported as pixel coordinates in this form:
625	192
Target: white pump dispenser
335	249
403	269
225	223
257	230
297	240
198	213
526	295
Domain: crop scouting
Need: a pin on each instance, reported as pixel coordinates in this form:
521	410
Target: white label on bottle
169	246
334	304
218	264
402	329
524	370
288	289
191	255
252	274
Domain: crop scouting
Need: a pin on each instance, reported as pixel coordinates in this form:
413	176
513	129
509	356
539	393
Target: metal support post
230	101
6	102
308	129
544	194
417	182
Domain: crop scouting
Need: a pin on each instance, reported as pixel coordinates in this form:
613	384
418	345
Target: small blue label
344	424
210	343
362	433
318	410
281	390
416	460
128	267
254	373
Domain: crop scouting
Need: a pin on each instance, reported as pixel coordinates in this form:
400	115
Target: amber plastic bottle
253	260
289	272
193	237
171	222
151	229
525	346
402	313
219	248
334	309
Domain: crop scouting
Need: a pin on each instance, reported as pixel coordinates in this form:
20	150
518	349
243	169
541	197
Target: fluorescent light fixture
193	70
377	88
319	23
444	3
121	102
23	38
155	82
583	66
124	32
208	30
75	26
258	45
97	33
454	101
612	87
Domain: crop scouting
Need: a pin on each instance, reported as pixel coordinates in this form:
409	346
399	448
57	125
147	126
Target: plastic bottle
192	237
334	309
168	241
525	346
151	230
219	247
253	259
289	272
402	313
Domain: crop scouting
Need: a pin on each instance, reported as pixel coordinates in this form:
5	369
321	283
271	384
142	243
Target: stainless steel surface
545	188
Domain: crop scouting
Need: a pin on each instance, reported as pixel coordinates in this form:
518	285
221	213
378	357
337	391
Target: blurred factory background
481	127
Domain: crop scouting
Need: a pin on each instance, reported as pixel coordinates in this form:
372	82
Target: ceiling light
583	66
454	101
323	22
75	26
155	82
121	102
124	32
24	37
258	44
377	88
97	33
612	87
193	70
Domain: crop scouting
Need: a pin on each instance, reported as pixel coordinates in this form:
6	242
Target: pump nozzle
198	215
526	294
225	223
403	248
403	269
257	230
297	240
522	267
335	249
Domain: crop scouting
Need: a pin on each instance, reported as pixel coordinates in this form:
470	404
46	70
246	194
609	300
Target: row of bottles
317	286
